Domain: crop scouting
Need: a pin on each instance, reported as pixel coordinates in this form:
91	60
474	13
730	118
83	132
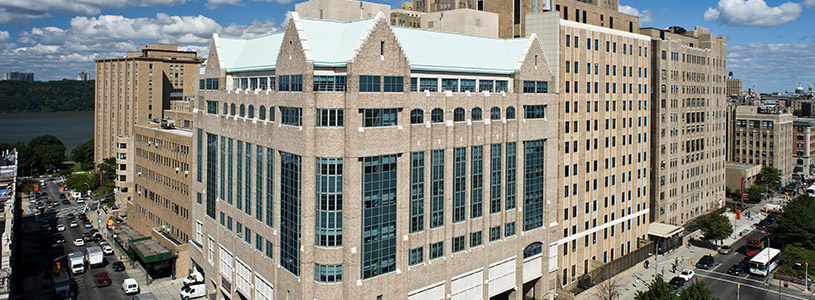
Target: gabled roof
334	44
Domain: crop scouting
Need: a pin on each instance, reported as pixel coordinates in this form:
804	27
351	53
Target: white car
74	224
60	227
80	200
79	242
130	286
686	274
107	249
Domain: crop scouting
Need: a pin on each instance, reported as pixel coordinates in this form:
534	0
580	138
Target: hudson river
72	128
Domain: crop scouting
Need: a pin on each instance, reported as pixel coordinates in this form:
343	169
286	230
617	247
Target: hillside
46	96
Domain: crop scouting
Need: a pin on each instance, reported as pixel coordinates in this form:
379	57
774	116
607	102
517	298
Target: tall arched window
510	113
271	114
476	114
458	115
232	109
533	249
251	111
416	116
437	115
242	111
262	112
495	113
226	109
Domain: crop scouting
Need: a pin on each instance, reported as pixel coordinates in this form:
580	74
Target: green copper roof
333	44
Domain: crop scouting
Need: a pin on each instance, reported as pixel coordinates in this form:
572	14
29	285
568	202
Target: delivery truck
95	256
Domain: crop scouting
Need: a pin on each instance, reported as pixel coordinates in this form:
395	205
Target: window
501	86
262	112
477	181
291	116
271	113
429	84
475	114
535	111
542	87
495	113
212	107
242	111
414	84
437	189
533	249
436	250
329	197
290	216
416	116
468	85
416	256
296	83
394	84
437	115
495	178
495	233
232	109
459	183
511	176
476	239
510	113
327	273
458	244
283	83
529	87
251	112
323	83
417	180
379	117
449	84
330	117
379	209
212	168
369	83
458	115
485	85
269	250
509	229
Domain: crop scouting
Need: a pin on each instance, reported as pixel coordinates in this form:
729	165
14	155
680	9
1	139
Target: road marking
718	274
754	287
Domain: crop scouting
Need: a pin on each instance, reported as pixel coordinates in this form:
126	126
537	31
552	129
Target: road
85	283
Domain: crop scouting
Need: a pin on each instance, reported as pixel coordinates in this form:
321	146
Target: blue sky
771	44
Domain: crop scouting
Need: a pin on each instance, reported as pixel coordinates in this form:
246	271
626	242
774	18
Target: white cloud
22	11
645	16
790	64
754	13
809	4
57	52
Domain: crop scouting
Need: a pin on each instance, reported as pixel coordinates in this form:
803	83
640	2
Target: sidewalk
637	277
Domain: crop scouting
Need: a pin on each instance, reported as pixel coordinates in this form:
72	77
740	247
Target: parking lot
84	285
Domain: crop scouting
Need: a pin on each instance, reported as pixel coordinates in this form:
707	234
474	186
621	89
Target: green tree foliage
657	290
108	169
755	192
41	154
770	176
46	96
796	226
82	181
716	227
790	256
696	291
83	155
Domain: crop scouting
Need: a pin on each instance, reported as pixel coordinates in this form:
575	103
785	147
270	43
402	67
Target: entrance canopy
663	230
150	251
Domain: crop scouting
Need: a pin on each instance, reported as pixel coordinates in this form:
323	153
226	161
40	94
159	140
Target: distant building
83	76
406	17
19	76
803	146
8	189
763	136
464	21
734	87
340	10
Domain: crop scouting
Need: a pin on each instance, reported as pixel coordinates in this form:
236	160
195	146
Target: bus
811	190
757	242
764	263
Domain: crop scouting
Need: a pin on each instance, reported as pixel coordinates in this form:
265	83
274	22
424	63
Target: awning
663	230
150	251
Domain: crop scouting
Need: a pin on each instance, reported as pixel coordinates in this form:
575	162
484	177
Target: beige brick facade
763	135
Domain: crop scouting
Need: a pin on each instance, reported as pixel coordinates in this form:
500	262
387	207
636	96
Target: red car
102	279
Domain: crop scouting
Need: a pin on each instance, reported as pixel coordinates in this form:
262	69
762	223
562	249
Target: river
72	128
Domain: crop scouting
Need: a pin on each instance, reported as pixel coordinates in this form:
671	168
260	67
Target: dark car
102	279
98	237
66	201
71	216
735	270
677	282
82	217
87	237
118	266
706	262
62	196
762	224
59	239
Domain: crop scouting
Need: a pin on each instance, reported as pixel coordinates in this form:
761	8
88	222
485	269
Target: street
84	285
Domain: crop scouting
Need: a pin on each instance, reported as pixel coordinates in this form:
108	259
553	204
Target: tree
50	151
797	226
108	169
755	192
657	290
790	256
770	176
696	291
716	227
798	113
83	155
82	181
608	290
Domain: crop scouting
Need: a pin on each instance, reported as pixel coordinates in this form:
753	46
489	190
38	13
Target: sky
771	44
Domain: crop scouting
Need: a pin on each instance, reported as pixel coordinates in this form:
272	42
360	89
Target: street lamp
806	276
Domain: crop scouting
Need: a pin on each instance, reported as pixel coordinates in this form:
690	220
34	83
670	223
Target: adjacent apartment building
348	160
688	123
763	135
803	146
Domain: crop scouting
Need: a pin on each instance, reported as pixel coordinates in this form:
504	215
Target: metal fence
616	266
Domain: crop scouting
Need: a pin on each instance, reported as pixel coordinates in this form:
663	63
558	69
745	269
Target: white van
130	286
194	291
193	278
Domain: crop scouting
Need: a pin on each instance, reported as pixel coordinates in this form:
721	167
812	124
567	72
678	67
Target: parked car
118	266
735	270
87	236
79	242
686	274
102	279
677	282
74	224
59	239
130	286
725	250
706	262
107	249
88	224
60	227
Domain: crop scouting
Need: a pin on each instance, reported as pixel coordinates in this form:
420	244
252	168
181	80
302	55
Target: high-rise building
136	89
602	70
83	76
734	87
804	145
392	167
19	76
763	135
689	97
